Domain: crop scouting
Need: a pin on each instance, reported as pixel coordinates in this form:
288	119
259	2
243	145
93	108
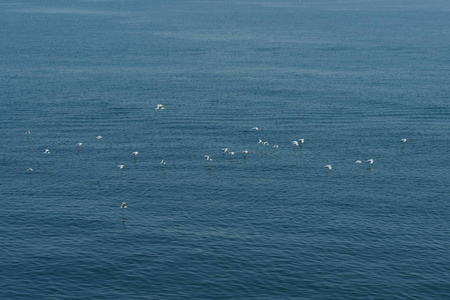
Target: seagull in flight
46	151
329	167
123	204
255	128
302	141
135	153
224	150
358	162
370	161
27	132
30	170
295	143
245	152
79	144
403	140
163	162
159	106
208	157
99	137
121	166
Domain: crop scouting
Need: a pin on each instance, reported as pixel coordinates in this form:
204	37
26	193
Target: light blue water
350	77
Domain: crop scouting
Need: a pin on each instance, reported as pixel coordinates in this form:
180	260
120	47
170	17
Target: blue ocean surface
350	77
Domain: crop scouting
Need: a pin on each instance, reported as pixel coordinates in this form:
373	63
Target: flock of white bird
297	143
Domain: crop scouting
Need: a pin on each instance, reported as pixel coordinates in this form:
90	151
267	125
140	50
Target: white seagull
79	144
135	153
121	166
163	162
260	141
30	170
231	153
28	132
245	152
301	141
46	151
275	146
208	157
358	162
123	204
329	167
255	128
403	140
224	150
99	137
160	106
370	161
295	143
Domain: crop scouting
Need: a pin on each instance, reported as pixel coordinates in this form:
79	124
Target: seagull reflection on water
124	220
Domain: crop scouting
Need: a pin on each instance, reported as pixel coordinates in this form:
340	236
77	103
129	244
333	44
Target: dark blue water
350	77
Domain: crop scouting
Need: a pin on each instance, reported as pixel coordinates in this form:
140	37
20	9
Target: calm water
351	77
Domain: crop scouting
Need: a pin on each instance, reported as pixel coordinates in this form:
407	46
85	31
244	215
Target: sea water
350	77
